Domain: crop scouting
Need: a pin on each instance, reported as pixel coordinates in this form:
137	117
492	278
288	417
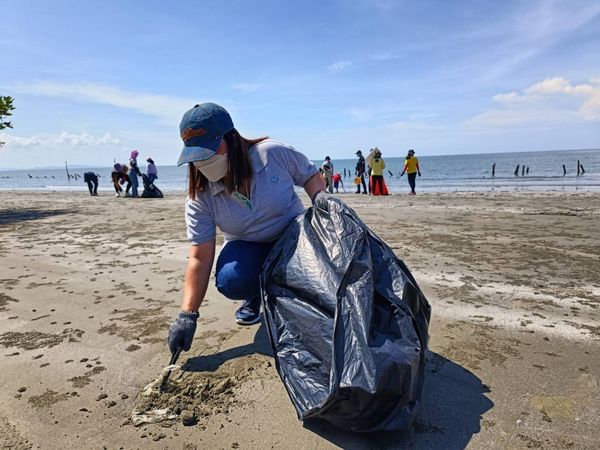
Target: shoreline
88	289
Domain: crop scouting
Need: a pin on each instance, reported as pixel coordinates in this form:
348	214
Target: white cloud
61	139
549	101
360	114
164	107
534	29
409	125
385	57
339	65
510	97
246	88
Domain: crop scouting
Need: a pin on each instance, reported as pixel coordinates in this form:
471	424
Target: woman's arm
200	261
314	185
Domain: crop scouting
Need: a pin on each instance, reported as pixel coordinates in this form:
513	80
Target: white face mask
213	168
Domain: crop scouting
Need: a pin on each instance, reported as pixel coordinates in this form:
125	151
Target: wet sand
88	286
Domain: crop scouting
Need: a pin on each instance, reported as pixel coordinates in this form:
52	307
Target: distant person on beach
92	181
337	179
327	172
134	173
377	165
245	187
411	167
120	176
151	171
360	172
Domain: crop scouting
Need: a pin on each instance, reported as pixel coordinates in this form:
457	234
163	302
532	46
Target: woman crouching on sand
119	176
246	189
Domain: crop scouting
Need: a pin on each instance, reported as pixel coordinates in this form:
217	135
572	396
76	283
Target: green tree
6	106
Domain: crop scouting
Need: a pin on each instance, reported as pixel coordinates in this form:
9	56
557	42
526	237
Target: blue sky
93	80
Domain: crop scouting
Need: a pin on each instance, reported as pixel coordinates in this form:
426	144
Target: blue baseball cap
202	129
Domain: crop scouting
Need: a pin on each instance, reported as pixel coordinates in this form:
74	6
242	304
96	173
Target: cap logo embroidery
189	133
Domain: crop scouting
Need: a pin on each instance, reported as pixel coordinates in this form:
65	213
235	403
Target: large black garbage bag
347	322
150	190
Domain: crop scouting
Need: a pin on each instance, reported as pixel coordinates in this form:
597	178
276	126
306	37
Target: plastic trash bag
150	189
347	322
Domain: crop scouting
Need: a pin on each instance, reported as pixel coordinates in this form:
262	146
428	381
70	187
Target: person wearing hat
377	165
245	187
360	172
327	173
119	176
411	167
151	171
134	173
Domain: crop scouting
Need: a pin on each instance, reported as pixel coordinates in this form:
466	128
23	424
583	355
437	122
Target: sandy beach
89	285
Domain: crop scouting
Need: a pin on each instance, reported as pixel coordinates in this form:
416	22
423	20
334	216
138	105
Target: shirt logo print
274	179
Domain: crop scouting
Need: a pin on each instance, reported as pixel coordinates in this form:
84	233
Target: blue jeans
238	269
134	184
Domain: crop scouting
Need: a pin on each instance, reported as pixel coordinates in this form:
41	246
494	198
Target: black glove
402	174
181	331
419	173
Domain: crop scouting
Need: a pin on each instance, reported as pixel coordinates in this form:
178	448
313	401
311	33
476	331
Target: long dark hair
239	171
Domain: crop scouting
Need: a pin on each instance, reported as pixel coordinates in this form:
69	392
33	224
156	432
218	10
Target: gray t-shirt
277	168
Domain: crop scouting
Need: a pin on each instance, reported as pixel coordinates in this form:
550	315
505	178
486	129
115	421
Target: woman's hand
181	332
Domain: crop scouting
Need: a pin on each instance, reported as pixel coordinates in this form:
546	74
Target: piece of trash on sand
141	414
154	416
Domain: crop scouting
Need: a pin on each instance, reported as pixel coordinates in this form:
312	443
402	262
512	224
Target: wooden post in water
67	169
582	169
523	170
517	170
494	169
344	172
527	171
564	170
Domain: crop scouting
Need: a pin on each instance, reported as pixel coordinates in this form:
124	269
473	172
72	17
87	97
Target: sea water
449	173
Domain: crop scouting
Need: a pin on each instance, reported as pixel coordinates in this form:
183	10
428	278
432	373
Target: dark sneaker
249	313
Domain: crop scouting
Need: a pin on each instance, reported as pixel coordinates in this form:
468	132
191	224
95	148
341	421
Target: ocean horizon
538	171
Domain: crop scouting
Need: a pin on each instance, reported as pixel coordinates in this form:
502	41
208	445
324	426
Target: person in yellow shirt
377	165
411	167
